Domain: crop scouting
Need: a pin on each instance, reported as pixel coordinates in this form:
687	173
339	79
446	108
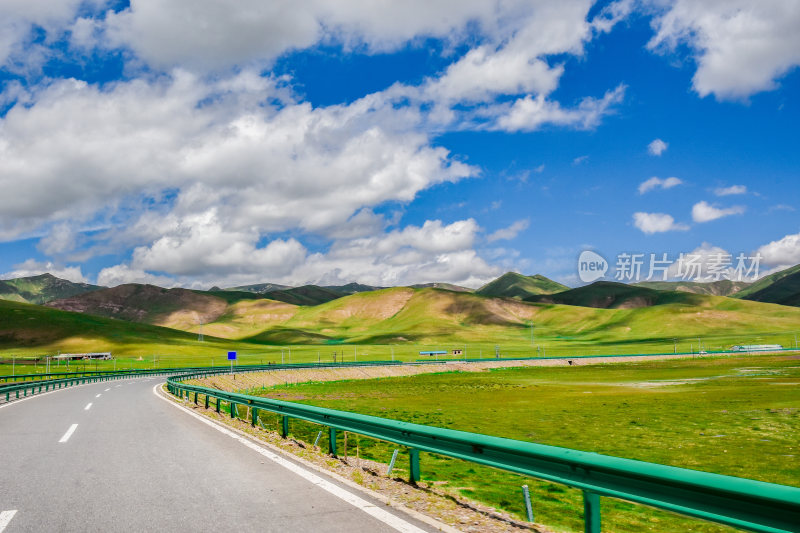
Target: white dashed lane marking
69	433
5	518
88	406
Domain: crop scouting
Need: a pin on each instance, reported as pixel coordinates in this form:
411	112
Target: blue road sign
231	356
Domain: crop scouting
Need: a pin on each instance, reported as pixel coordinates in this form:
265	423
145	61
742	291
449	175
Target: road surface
113	456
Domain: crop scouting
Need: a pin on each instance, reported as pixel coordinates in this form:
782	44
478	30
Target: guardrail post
391	463
254	416
284	426
526	495
332	441
591	512
233	410
218	405
206	401
195	398
413	467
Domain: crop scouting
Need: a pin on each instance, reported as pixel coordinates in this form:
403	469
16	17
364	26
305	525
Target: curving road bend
114	456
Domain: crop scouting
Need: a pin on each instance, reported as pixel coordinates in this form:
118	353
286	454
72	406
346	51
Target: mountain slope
49	330
305	295
611	295
514	285
767	281
401	315
723	287
351	288
260	288
146	304
42	289
445	286
784	291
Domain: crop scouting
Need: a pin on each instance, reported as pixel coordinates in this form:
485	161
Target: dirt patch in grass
257	380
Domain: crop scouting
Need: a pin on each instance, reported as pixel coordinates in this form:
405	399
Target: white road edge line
88	406
5	518
376	512
69	433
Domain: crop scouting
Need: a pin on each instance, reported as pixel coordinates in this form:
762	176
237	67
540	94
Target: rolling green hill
351	288
612	295
723	287
43	329
402	316
767	281
305	295
445	286
513	285
784	291
41	289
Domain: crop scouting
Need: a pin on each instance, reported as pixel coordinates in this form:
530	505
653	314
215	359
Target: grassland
738	416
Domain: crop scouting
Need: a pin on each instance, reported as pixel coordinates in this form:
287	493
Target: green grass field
738	416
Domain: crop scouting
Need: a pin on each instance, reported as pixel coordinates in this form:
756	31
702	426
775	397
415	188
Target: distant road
114	457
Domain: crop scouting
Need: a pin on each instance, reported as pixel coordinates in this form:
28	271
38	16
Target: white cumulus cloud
651	223
783	253
741	47
413	254
658	183
657	147
510	232
207	167
728	191
705	212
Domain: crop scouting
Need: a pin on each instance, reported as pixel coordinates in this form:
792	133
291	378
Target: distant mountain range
722	287
149	319
147	303
611	295
136	318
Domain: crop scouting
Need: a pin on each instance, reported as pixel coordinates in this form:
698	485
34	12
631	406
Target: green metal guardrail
743	503
12	391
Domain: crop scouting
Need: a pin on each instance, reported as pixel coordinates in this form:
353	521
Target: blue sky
396	143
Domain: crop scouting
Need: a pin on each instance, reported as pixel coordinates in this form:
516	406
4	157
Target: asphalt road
132	462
